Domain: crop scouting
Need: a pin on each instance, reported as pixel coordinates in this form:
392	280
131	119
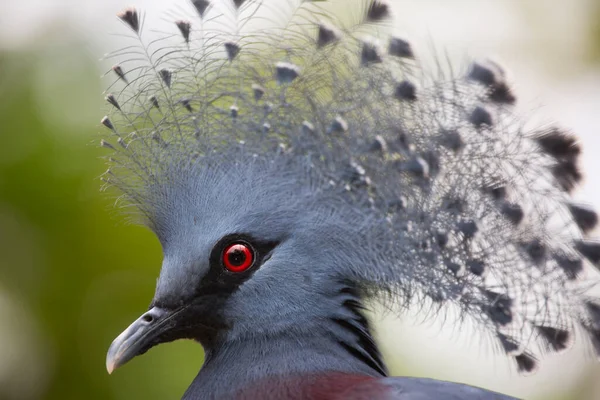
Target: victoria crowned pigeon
299	166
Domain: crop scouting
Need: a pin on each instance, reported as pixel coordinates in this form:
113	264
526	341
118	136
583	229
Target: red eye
238	257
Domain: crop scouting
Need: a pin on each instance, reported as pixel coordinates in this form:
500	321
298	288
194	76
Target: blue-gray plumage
293	175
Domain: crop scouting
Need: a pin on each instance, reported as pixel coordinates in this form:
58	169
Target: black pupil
236	257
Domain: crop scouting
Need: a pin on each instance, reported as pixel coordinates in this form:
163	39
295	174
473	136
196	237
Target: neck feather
341	344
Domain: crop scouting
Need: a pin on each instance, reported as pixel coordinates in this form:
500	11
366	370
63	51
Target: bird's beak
142	334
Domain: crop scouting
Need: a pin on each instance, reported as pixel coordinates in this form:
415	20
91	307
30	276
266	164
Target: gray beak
139	336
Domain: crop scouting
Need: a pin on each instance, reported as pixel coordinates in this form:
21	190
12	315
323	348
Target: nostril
147	318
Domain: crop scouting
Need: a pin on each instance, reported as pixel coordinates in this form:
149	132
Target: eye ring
238	257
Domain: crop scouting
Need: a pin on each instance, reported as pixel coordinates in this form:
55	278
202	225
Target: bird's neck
341	346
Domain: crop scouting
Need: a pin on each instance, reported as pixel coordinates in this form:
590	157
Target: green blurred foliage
65	259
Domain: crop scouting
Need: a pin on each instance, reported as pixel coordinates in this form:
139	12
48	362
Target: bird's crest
470	205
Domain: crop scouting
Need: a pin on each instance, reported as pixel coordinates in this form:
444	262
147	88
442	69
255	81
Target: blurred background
73	274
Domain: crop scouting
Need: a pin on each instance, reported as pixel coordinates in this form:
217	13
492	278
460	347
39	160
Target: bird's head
292	173
250	251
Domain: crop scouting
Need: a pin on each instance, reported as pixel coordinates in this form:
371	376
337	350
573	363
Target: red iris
238	257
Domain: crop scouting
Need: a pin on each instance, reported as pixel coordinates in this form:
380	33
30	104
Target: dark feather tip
454	204
327	35
186	103
455	268
119	72
107	123
509	345
154	101
502	94
400	48
286	72
481	116
201	6
166	75
378	10
535	249
131	17
555	339
468	228
567	174
416	166
499	308
234	111
185	27
584	216
354	174
110	98
452	140
496	190
338	125
377	145
487	73
593	309
238	3
512	212
106	145
526	363
590	250
258	92
477	267
558	143
232	49
308	128
370	53
441	239
406	90
492	75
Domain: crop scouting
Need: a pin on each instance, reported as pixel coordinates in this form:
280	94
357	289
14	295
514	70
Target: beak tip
114	356
111	363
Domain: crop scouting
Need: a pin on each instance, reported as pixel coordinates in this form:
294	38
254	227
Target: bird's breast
324	386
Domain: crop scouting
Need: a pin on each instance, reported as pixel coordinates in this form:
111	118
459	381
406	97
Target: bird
299	165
